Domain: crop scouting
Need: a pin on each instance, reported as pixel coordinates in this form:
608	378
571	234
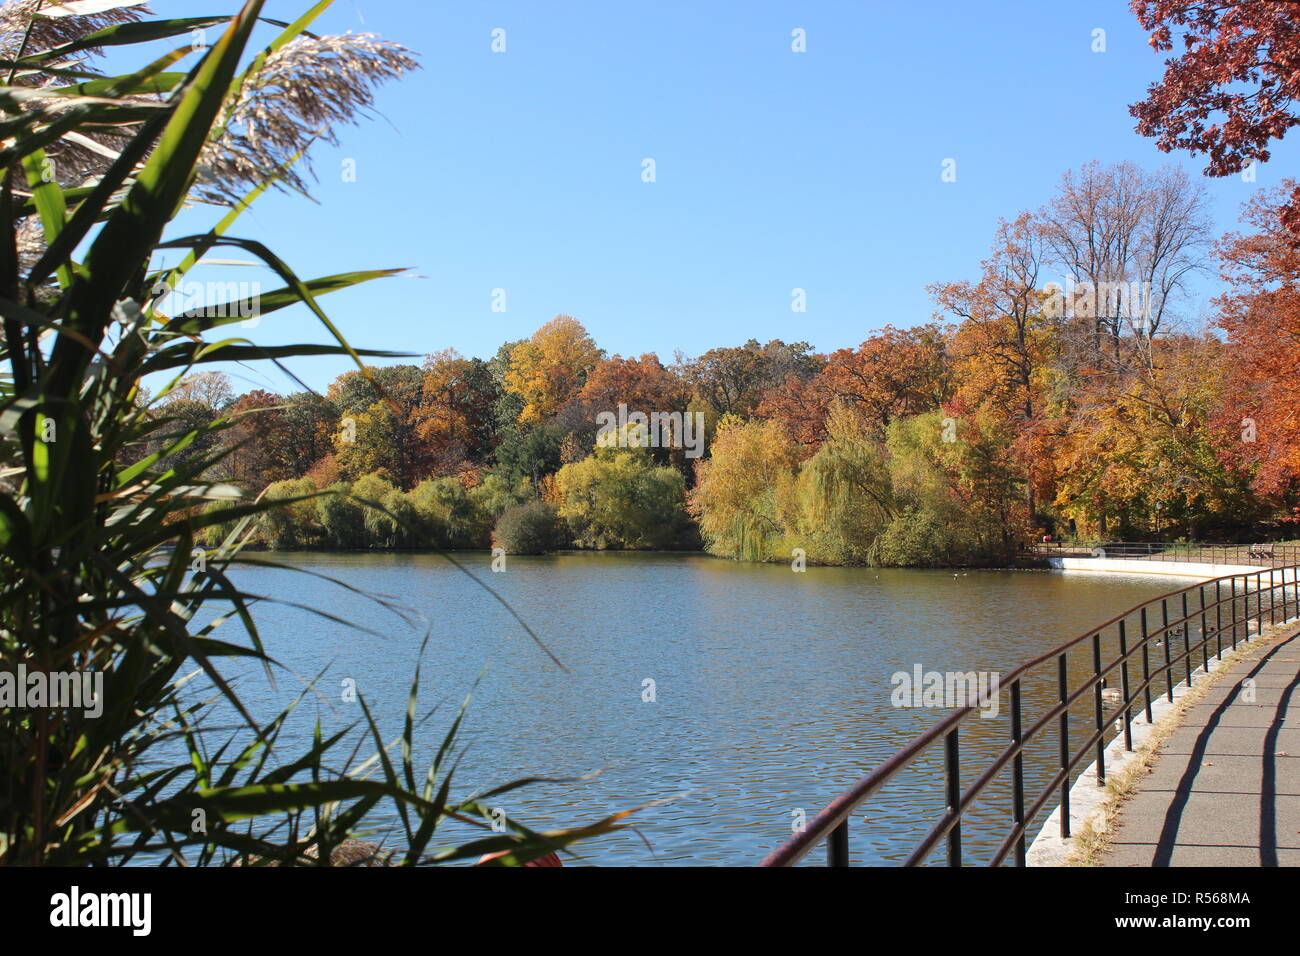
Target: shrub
917	539
531	528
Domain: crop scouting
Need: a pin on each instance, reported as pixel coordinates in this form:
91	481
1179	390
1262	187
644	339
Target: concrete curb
1181	569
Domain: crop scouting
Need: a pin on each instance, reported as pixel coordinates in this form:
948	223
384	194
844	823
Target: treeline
1064	391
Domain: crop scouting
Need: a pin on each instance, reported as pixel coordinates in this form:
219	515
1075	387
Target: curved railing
1216	613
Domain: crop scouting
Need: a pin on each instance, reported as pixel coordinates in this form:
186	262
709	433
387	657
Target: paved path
1224	789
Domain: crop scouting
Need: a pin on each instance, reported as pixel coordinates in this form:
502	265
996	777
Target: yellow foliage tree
550	368
740	490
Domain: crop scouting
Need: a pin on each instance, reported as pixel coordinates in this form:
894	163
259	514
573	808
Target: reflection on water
772	689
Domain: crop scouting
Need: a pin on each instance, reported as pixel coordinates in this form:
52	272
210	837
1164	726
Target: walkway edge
1087	800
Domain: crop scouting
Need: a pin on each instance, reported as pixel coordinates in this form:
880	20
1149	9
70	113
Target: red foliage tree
1261	315
1233	88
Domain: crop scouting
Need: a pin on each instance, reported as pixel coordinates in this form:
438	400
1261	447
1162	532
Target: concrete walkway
1224	789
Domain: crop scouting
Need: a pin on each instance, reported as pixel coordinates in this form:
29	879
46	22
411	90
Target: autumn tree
801	407
1145	457
1002	347
378	427
895	372
258	441
1231	89
212	389
173	421
1127	241
732	381
310	421
549	369
1261	315
740	487
456	418
642	384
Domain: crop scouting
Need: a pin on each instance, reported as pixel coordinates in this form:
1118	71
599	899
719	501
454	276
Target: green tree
342	521
531	453
445	510
619	498
844	497
296	524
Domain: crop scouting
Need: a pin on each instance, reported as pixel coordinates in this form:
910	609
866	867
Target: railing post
1062	693
1017	773
1218	615
1272	598
1246	615
1098	710
1187	637
837	845
1146	668
1205	638
1246	582
952	769
1166	640
1123	681
1259	605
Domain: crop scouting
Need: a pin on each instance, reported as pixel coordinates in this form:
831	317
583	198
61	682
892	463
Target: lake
771	689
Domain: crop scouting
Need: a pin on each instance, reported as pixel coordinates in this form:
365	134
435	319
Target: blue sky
774	170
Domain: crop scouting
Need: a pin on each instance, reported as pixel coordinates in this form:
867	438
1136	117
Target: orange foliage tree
895	372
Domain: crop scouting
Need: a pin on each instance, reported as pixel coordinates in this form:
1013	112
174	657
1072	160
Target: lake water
771	689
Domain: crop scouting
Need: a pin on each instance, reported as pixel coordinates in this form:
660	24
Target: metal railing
1267	553
1206	618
